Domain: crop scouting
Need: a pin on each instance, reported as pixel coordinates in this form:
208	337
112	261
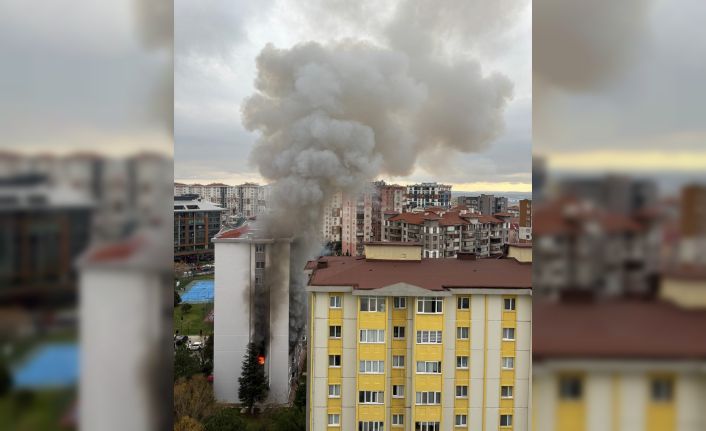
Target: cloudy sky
622	89
217	43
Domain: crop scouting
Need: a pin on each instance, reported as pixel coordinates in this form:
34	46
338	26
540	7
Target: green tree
290	419
225	420
177	298
253	382
185	308
300	395
185	363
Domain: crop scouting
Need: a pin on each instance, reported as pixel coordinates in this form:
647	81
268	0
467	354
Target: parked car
196	345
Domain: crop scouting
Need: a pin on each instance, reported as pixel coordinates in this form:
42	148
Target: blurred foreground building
400	341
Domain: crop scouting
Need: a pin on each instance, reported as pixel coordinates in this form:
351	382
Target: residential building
472	203
525	227
638	365
501	203
397	341
195	222
245	200
447	233
43	228
579	246
252	304
692	225
428	195
331	227
392	196
617	194
361	221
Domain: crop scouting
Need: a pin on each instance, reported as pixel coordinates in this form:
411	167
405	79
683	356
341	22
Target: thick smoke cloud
334	116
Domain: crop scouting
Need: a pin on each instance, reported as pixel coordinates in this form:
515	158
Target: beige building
398	341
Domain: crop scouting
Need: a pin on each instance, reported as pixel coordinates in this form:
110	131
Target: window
397	391
372	367
570	388
371	397
372	303
259	264
464	303
399	302
334	420
508	363
508	334
427	426
429	305
462	332
334	391
428	367
506	392
334	331
398	332
397	361
461	420
335	301
428	398
461	361
334	360
371	426
372	335
397	420
462	391
509	304
662	389
505	420
259	248
428	337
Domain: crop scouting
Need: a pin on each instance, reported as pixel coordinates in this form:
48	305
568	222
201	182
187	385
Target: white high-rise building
251	304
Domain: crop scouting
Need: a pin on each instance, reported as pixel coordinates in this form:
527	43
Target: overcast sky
624	91
217	42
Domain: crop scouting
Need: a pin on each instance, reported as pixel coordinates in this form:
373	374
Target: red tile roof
233	233
618	329
410	218
431	274
117	251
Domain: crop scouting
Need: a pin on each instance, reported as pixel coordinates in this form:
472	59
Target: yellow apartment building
397	342
618	365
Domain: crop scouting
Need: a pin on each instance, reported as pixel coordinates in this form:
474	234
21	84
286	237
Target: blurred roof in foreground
617	329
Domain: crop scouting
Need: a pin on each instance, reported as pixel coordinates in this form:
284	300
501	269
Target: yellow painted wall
393	252
661	415
686	293
571	414
371	352
522	254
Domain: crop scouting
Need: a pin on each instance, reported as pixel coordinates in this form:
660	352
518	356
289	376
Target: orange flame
261	360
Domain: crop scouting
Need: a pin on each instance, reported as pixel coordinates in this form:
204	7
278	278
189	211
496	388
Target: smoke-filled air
334	116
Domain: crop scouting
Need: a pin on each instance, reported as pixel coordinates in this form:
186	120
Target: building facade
195	223
392	349
251	303
525	227
428	195
447	233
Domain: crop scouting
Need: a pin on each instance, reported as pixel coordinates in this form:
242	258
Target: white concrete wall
123	303
231	317
319	350
278	352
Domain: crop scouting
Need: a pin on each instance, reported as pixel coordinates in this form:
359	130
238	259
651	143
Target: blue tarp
52	365
200	291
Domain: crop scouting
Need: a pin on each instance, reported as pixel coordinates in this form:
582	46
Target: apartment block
195	223
638	366
245	200
397	341
525	227
428	195
448	233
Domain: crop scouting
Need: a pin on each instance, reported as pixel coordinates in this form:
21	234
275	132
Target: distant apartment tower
428	195
195	223
444	344
615	193
501	203
392	196
692	244
470	202
251	305
525	228
332	220
361	221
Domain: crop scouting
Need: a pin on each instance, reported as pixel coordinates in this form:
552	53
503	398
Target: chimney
465	255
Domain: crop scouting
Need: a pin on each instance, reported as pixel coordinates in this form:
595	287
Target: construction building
398	341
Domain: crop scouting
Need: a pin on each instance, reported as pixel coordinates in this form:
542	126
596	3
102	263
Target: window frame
463	422
334	360
336	334
512	302
511	391
464	391
460	330
400	387
335	301
460	305
336	423
397	300
397	357
334	385
514	334
460	360
365	339
511	359
437	304
396	330
508	423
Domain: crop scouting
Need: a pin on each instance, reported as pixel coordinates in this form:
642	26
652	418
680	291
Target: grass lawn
190	323
30	411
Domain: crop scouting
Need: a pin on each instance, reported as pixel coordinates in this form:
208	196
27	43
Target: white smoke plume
334	116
